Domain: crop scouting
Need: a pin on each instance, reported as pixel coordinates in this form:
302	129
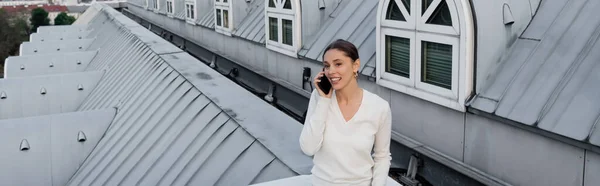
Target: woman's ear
356	65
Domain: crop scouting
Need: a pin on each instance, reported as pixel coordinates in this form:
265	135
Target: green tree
39	17
64	19
13	31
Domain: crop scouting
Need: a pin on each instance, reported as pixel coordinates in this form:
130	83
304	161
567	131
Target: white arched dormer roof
283	26
425	49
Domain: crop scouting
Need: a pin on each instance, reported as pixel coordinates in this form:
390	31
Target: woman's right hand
317	80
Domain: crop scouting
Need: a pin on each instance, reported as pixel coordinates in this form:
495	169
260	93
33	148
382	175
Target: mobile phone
325	85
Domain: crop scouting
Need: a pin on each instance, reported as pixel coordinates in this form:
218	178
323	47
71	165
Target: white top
342	150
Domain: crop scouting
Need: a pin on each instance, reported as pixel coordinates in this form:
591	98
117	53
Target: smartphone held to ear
325	85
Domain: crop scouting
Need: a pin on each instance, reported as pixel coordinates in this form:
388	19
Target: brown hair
346	47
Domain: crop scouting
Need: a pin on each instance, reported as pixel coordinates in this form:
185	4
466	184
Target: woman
343	127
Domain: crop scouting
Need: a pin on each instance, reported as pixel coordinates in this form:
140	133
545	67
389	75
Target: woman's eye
339	64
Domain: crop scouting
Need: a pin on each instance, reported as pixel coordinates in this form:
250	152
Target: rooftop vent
24	145
81	137
2	95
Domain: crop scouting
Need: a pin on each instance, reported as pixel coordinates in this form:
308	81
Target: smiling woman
344	126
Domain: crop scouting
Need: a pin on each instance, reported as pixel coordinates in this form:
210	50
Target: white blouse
342	150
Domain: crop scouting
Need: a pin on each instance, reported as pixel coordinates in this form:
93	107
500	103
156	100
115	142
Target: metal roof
55	146
46	64
179	9
207	20
42	95
353	21
549	78
177	120
252	26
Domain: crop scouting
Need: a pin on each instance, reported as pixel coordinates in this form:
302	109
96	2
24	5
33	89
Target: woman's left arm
382	155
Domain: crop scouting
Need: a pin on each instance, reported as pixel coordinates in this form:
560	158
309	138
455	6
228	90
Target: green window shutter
273	29
397	54
436	64
287	32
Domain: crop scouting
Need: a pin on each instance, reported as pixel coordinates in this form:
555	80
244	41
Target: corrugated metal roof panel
355	23
174	124
207	20
550	83
252	26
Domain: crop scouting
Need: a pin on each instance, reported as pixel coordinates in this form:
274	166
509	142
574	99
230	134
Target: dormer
223	16
191	11
283	26
425	49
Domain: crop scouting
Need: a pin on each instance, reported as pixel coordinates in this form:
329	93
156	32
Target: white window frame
192	11
280	13
417	31
170	9
155	6
219	4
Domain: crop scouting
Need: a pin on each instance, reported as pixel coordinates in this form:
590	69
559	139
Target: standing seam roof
355	23
174	125
252	26
548	80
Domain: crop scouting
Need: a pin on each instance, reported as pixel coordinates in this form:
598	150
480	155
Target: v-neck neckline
341	114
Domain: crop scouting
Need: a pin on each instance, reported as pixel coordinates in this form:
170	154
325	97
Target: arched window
420	47
283	26
223	17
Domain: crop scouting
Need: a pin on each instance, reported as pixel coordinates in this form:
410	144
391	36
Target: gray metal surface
63	28
252	26
592	168
549	79
66	35
207	20
47	64
77	9
520	157
354	22
24	96
55	46
177	121
55	152
179	9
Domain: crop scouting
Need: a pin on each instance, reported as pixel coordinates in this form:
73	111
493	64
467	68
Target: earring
356	74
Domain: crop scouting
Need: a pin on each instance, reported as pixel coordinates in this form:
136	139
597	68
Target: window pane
273	29
271	3
218	17
397	54
224	1
441	15
288	4
187	10
406	5
424	5
288	35
225	19
436	64
393	12
192	11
